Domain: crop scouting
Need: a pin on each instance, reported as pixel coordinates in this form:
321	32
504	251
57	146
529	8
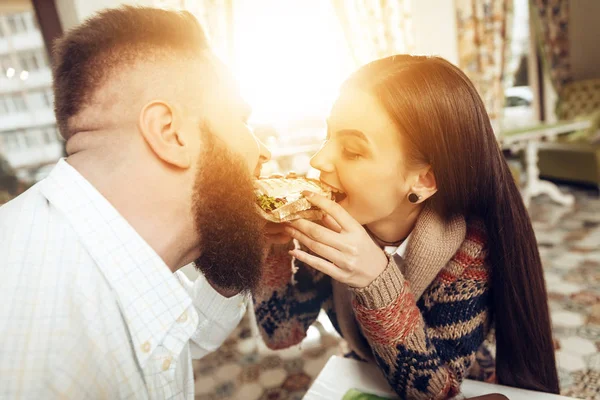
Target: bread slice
287	194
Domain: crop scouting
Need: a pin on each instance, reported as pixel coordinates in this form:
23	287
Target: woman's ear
160	125
425	185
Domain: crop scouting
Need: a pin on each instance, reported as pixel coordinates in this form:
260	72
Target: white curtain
376	28
216	17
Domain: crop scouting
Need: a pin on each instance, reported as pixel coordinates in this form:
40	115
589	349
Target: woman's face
363	157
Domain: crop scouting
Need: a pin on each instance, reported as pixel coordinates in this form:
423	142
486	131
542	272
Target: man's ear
426	185
160	124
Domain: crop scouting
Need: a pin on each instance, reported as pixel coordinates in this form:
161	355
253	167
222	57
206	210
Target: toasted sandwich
281	199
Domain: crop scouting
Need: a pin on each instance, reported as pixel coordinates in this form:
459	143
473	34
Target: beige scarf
432	244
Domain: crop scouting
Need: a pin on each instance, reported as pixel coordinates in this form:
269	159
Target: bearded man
159	174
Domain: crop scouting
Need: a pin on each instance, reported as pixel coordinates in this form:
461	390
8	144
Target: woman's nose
322	160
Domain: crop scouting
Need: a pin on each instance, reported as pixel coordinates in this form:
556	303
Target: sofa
575	157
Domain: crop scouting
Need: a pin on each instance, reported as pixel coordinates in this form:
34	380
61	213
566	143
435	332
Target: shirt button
166	364
146	347
182	318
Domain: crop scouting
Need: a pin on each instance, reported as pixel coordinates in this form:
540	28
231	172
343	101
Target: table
529	140
341	374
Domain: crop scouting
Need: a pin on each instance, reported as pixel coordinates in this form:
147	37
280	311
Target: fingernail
308	193
292	253
289	230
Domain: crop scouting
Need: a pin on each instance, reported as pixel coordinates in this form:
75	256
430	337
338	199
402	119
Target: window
16	23
515	101
32	61
35	99
10	140
40	99
4	105
30	22
48	135
49	98
58	135
18	102
521	98
11	103
5	64
32	137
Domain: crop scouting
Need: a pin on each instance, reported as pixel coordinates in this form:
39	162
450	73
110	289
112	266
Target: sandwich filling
269	203
285	194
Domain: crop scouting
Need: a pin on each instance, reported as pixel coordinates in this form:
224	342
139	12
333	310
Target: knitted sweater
425	344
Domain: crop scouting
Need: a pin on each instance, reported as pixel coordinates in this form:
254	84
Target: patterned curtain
552	28
483	44
216	17
375	28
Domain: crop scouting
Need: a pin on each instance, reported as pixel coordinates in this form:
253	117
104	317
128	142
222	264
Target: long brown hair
443	119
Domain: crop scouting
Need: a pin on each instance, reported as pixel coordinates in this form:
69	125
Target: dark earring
413	198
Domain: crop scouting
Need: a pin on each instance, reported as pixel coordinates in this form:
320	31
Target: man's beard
232	239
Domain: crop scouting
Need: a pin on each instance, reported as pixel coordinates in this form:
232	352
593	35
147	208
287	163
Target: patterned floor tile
251	391
294	365
296	382
567	319
250	373
579	346
585	385
593	361
272	378
225	389
271	362
205	384
275	394
569	362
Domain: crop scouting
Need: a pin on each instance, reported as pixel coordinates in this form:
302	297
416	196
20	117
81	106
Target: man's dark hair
87	55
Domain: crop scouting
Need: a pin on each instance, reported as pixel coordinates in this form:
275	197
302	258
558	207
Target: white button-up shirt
89	310
397	251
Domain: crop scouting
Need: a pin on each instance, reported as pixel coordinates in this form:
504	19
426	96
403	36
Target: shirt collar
400	250
149	294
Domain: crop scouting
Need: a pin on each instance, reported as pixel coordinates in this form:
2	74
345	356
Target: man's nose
264	153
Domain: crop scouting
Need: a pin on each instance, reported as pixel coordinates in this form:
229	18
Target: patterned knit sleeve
425	349
285	309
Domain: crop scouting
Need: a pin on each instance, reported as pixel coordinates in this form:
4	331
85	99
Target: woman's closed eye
350	155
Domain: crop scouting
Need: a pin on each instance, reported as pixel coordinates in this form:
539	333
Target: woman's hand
349	254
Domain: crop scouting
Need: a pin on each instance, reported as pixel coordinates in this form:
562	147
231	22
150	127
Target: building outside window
4	110
49	135
29	142
12	103
5	65
16	23
40	99
48	98
10	140
30	61
16	102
